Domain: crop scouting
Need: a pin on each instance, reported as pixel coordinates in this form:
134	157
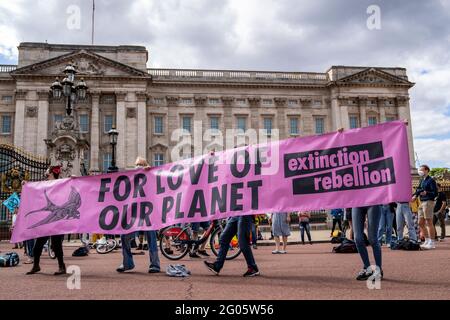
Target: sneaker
282	252
154	270
276	252
173	271
364	274
183	269
203	253
139	246
378	274
145	247
255	246
252	272
388	245
211	267
122	269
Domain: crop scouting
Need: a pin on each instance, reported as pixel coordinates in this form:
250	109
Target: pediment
87	64
373	76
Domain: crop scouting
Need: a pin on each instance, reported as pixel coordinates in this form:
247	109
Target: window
57	118
108	99
84	123
268	125
320	125
158	159
292	103
187	124
159	128
317	102
240	101
372	121
214	123
7	99
354	123
186	100
390	118
6	124
294	126
213	101
241	124
158	100
107	122
267	102
106	161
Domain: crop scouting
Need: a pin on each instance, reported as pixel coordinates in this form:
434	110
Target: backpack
347	246
80	252
337	239
9	259
405	245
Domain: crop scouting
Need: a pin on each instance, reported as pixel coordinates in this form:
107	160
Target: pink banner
354	168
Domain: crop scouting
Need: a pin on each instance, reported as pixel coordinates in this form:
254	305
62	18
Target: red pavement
306	272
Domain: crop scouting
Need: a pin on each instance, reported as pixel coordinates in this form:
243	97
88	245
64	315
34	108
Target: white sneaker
388	245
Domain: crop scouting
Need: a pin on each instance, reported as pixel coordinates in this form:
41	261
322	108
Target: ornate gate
16	165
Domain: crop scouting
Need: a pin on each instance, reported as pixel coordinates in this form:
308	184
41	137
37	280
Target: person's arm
444	204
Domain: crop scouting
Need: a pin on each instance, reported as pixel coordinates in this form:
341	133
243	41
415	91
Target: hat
55	170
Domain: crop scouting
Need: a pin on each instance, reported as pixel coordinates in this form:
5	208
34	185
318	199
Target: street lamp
113	133
67	88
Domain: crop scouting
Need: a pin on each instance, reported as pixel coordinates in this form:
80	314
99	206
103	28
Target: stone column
381	110
404	113
336	120
255	104
281	104
362	102
121	128
19	118
141	124
172	120
307	119
95	132
42	121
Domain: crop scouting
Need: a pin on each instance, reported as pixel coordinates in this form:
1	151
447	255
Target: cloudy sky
289	35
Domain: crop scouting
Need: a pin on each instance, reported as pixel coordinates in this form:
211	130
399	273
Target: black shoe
34	270
139	246
145	247
194	255
303	242
211	267
252	272
122	269
203	253
310	242
61	270
153	270
364	274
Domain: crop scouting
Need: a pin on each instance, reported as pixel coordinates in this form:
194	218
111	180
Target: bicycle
175	241
49	248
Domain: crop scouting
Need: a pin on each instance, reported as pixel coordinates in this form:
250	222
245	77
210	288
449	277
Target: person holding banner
242	226
128	263
52	173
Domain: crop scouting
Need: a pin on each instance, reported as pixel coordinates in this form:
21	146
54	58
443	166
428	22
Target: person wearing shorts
427	192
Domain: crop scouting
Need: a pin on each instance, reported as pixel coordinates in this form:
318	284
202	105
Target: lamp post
68	88
113	133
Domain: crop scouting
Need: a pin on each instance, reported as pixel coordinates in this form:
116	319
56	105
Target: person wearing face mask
128	263
427	192
52	173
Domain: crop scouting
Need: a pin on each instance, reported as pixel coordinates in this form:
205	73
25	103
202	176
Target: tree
438	172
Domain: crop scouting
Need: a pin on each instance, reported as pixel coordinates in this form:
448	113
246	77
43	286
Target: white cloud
433	151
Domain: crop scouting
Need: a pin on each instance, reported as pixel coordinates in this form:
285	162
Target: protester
303	218
405	216
128	263
337	215
373	214
385	228
414	206
348	223
52	173
439	212
280	229
242	227
427	192
195	232
255	232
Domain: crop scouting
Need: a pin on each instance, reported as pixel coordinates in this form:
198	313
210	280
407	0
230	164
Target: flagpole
93	10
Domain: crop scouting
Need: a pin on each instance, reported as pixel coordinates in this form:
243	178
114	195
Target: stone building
147	105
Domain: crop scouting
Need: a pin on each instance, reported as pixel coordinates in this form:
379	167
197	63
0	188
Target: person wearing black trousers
52	173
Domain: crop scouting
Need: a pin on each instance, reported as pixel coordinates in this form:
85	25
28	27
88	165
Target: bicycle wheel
106	247
173	243
234	250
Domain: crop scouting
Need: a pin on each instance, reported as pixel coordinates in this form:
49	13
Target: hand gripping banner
359	167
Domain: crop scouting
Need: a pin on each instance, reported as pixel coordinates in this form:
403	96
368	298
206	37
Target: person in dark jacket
427	192
337	215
